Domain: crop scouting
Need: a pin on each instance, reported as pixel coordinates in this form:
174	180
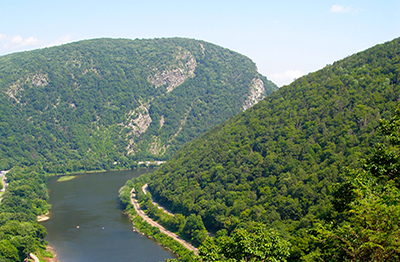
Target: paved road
140	212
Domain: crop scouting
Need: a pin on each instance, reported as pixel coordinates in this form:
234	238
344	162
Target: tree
194	229
256	244
8	251
367	225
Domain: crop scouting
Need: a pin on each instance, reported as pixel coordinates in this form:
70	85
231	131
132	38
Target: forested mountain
108	103
276	162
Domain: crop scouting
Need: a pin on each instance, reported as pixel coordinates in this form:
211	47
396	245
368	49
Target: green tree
8	251
256	244
194	229
367	225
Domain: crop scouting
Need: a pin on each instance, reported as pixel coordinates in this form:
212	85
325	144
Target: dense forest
109	103
24	200
277	162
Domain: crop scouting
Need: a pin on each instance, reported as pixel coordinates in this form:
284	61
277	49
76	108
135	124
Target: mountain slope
101	103
275	162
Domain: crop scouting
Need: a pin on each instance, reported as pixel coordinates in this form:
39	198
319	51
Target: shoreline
153	223
97	171
53	252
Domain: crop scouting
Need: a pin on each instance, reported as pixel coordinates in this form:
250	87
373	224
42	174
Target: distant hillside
275	162
105	103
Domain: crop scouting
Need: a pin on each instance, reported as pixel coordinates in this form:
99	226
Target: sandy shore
51	250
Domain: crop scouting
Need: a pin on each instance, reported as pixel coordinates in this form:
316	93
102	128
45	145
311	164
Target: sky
286	39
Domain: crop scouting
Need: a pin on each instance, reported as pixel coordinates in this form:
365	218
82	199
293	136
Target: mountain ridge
275	163
145	98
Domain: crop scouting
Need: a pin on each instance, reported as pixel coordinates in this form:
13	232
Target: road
140	212
145	189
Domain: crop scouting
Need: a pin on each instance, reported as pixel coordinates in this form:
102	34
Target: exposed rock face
257	93
13	91
138	120
155	147
177	74
94	70
38	80
140	98
162	121
202	49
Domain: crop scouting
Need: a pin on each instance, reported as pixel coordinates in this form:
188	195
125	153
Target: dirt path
140	212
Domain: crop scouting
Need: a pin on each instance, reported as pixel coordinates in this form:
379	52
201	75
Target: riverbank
145	189
141	164
143	215
53	253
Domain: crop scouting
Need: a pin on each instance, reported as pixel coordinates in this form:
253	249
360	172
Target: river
87	224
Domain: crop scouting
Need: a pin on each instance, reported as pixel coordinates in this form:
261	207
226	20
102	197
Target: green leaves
23	201
367	227
276	162
370	233
255	244
76	108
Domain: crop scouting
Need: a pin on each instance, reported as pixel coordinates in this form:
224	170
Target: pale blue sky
286	39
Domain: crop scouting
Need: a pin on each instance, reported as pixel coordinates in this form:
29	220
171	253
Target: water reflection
87	223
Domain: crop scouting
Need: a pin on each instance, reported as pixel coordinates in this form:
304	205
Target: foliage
255	244
76	107
276	162
367	229
24	199
144	227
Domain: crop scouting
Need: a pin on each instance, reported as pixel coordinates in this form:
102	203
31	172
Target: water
90	202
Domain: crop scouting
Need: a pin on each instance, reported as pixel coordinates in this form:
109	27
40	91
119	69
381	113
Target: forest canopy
276	162
109	103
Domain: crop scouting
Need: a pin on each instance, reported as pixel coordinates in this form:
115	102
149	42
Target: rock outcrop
257	93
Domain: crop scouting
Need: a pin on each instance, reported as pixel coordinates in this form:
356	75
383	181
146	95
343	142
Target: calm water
90	201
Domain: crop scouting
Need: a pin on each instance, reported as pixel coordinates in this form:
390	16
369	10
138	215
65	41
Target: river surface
87	224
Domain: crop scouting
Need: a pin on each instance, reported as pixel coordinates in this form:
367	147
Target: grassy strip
65	178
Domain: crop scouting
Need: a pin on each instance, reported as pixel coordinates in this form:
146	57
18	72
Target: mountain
276	162
109	103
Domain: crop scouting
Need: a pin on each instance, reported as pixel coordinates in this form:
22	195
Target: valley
305	169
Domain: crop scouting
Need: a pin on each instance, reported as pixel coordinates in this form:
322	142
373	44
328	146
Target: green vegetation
108	103
144	227
24	200
65	178
254	244
365	226
276	162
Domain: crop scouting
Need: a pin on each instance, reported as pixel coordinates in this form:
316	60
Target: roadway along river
91	203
